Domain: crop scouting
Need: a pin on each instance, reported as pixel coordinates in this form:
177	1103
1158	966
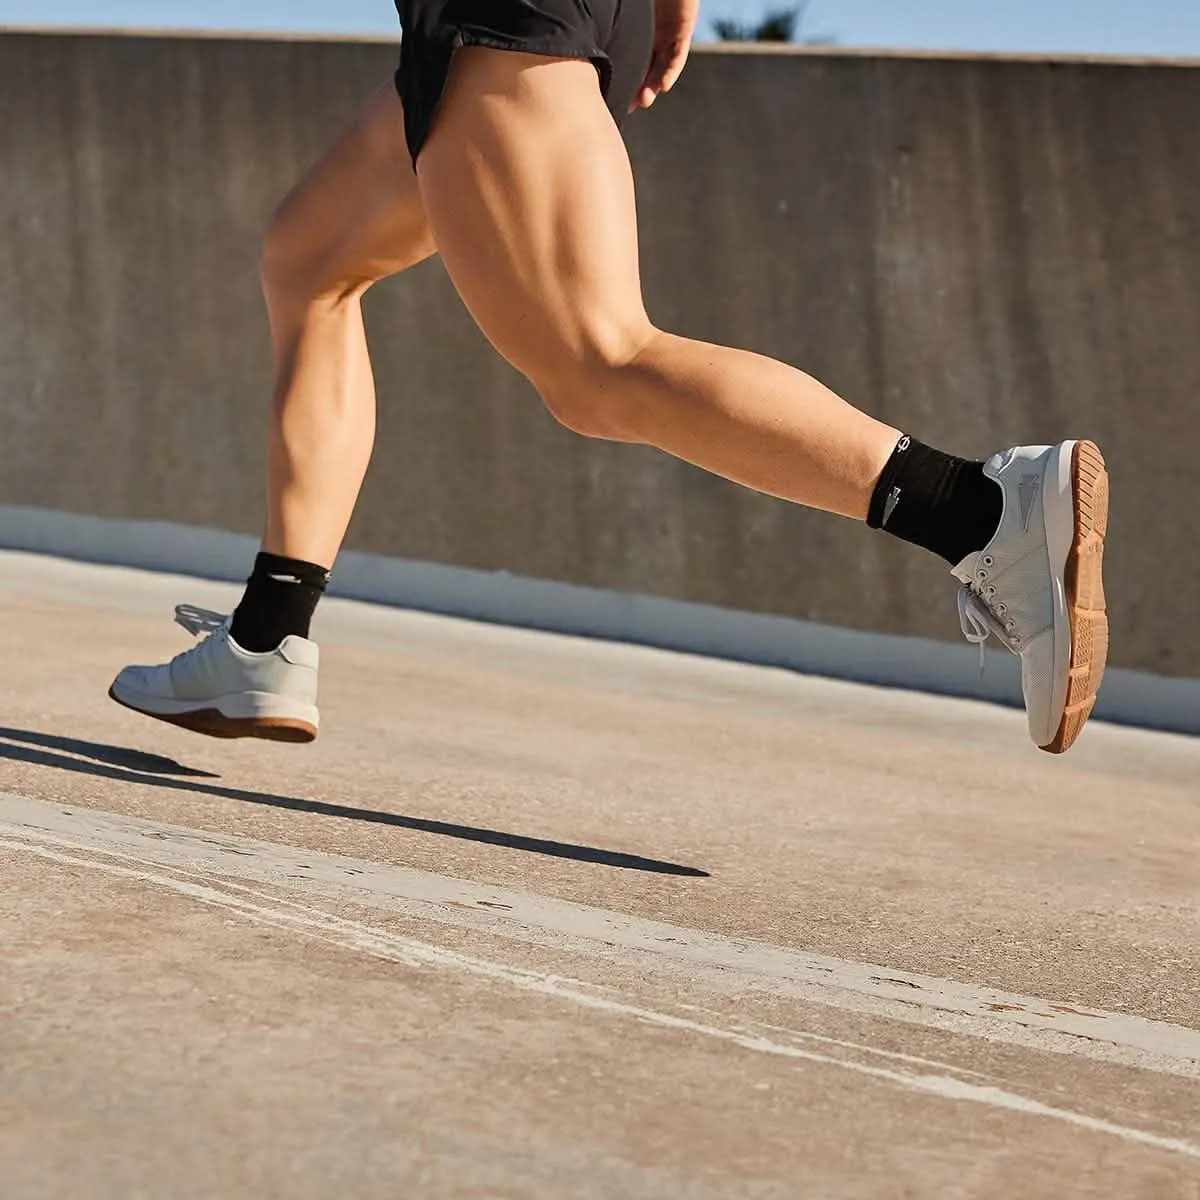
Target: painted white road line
717	964
382	944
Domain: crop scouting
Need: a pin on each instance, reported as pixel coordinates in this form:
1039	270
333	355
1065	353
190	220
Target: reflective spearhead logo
1027	494
889	505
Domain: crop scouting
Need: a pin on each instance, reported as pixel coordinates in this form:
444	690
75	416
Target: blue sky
1153	27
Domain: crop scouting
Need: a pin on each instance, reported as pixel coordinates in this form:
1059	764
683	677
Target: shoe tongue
965	570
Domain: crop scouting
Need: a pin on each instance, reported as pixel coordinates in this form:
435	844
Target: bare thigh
530	198
357	216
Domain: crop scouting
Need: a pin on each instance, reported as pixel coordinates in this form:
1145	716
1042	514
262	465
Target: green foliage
778	25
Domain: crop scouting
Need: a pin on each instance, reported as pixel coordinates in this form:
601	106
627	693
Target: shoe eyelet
990	590
988	561
1002	609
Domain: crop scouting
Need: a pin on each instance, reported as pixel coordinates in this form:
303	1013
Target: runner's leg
354	219
530	198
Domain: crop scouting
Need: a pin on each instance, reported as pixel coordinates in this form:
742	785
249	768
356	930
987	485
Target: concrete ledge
918	664
188	33
785	49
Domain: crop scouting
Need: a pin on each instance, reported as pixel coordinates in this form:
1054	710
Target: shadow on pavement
116	756
114	762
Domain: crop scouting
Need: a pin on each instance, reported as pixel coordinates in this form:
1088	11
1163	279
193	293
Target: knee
281	264
294	271
594	392
573	401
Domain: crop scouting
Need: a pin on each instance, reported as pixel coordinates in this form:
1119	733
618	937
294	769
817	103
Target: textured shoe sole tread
1084	581
213	723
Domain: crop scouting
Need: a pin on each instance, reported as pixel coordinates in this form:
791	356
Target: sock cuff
877	511
309	574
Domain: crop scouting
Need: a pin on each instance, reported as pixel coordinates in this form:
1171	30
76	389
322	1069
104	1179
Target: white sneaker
1038	586
219	689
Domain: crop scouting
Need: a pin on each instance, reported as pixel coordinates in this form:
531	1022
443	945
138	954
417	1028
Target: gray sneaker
1038	586
221	690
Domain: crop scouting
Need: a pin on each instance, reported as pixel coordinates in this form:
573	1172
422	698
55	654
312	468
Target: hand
674	24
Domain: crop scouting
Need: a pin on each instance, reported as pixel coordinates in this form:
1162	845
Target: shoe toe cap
145	681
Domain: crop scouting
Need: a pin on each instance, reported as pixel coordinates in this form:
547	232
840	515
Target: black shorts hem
425	67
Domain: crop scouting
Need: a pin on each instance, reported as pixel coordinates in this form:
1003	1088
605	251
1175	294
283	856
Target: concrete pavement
544	917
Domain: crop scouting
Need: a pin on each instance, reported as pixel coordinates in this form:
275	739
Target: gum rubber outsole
1084	583
213	723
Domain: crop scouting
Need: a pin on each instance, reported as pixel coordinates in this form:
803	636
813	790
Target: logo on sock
903	444
889	506
1027	493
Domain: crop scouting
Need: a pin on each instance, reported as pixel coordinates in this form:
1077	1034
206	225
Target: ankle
281	597
936	500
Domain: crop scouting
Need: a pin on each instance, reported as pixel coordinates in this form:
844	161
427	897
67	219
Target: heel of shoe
270	716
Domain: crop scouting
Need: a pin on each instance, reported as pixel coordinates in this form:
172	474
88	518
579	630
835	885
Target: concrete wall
982	252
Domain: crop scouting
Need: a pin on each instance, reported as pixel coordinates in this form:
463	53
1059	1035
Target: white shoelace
979	623
199	620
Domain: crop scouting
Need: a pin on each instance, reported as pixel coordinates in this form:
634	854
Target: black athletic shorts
616	35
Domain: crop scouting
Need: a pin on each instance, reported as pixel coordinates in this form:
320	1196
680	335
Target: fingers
673	66
665	68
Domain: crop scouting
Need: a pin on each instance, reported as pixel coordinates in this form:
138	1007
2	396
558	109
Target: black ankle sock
935	500
280	599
